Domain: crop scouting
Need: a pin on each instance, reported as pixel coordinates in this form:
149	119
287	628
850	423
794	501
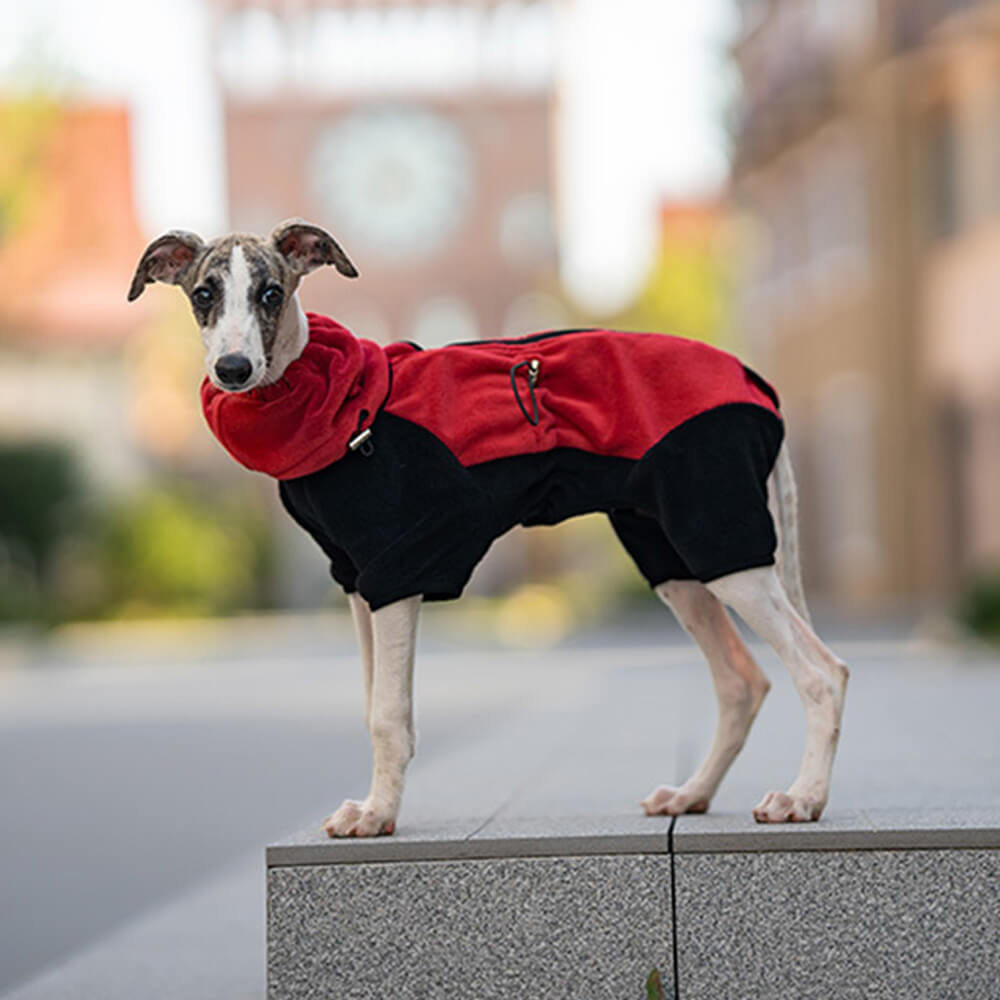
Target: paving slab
714	833
912	829
416	842
574	836
849	830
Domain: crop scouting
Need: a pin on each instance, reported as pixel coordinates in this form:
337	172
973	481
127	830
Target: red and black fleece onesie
673	439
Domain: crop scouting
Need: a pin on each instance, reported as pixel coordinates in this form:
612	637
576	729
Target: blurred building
867	157
68	241
419	134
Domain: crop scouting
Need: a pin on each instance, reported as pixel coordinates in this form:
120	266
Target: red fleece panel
604	392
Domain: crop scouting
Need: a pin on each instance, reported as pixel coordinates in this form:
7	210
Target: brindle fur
279	261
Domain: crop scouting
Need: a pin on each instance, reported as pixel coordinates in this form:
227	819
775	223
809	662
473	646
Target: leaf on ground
654	986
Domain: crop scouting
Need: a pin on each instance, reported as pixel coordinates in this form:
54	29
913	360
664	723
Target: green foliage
979	604
166	550
41	496
40	489
170	551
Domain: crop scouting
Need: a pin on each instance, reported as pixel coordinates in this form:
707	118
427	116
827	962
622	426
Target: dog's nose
233	370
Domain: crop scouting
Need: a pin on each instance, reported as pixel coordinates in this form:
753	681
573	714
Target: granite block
852	924
551	928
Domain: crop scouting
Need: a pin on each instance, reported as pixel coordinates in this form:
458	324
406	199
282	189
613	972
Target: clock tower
419	133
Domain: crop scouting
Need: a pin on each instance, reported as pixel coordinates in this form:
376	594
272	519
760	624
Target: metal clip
362	442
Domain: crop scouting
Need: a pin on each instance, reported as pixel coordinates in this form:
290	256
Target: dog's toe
783	807
358	819
344	821
667	801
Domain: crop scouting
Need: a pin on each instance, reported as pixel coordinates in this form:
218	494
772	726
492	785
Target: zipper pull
534	366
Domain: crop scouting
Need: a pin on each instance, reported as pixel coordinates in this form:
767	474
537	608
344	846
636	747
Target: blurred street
134	762
140	762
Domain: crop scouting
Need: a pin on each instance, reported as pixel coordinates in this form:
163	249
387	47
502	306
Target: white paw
788	807
667	801
359	819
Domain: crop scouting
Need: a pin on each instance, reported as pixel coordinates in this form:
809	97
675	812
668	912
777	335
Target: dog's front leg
362	615
390	723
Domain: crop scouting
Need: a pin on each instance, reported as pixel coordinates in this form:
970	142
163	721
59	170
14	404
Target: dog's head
241	290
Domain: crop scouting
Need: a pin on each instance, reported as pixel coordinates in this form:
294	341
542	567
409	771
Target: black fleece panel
342	569
643	539
705	485
407	515
410	519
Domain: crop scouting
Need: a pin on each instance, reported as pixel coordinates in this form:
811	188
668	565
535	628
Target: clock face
394	180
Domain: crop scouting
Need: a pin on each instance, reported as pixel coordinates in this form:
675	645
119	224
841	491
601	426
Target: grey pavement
132	779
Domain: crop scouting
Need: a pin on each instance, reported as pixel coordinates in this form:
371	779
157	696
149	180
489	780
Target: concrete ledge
865	903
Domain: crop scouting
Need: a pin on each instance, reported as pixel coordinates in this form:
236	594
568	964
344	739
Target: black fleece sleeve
342	568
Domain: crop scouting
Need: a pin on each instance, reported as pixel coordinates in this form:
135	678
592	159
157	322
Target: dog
405	464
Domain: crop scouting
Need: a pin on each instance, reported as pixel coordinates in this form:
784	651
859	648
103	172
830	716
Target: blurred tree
40	490
41	495
689	290
979	604
166	551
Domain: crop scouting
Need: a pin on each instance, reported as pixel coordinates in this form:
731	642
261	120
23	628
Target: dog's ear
307	247
168	259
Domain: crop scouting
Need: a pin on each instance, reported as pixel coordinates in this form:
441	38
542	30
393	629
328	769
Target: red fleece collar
303	422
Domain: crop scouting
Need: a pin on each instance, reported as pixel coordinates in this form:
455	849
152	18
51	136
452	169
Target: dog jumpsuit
405	464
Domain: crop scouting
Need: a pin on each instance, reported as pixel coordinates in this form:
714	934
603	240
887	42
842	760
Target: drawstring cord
533	367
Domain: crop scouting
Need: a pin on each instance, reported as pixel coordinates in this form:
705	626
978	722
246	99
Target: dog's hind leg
740	687
757	596
390	723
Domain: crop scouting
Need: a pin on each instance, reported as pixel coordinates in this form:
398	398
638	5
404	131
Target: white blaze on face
237	330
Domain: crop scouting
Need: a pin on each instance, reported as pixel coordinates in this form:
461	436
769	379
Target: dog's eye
202	297
271	297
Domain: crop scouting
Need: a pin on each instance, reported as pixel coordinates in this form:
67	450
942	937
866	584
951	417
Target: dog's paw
359	819
667	801
786	807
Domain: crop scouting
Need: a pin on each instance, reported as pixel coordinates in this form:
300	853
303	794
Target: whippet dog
261	348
